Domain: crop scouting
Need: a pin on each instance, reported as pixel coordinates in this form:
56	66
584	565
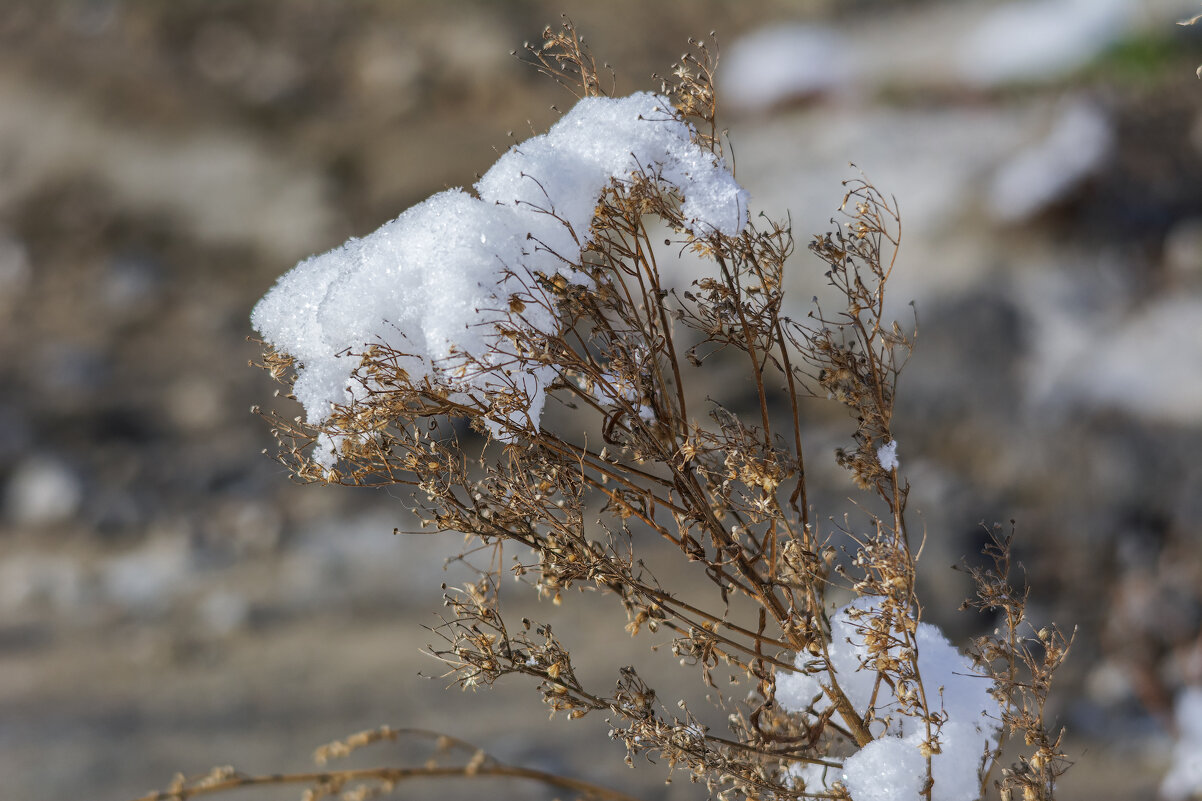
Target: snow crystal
1184	779
434	283
886	455
952	687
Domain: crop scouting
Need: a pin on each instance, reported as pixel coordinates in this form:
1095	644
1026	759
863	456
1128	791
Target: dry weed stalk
727	491
1022	661
449	758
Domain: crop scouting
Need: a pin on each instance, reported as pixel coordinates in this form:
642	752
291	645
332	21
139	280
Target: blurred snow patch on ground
40	579
148	578
1037	40
936	162
1148	363
777	65
979	45
1184	779
1076	147
932	160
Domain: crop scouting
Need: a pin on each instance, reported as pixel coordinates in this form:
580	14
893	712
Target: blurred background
170	601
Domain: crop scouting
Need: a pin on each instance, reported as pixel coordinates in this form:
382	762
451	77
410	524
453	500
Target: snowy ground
169	601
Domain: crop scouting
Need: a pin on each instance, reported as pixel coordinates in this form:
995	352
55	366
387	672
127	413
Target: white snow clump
435	282
888	769
886	455
892	767
1184	779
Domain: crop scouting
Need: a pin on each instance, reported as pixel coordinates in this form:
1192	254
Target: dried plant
1188	22
641	452
444	758
1022	661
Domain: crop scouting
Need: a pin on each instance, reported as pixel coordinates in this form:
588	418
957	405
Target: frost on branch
442	282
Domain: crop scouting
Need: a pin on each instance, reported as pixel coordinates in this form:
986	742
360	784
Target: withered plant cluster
1022	661
642	455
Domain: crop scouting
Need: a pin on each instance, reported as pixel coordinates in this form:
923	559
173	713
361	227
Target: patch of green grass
1145	57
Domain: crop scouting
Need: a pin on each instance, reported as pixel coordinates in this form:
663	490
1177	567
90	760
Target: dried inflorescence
1022	660
642	454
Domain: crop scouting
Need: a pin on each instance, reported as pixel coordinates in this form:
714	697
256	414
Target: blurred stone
115	513
31	580
89	17
148	578
386	64
14	269
223	51
1195	132
15	433
224	612
469	50
42	491
68	371
254	528
355	561
1183	252
1108	684
223	185
131	286
275	74
195	403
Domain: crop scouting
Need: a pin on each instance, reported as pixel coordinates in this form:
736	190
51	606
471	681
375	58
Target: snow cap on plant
436	283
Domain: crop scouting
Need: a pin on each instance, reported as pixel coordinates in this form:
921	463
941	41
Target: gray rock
42	491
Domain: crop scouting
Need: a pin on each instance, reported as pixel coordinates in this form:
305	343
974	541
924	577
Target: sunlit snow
434	283
887	766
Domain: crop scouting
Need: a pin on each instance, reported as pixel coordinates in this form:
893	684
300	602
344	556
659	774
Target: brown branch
391	776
